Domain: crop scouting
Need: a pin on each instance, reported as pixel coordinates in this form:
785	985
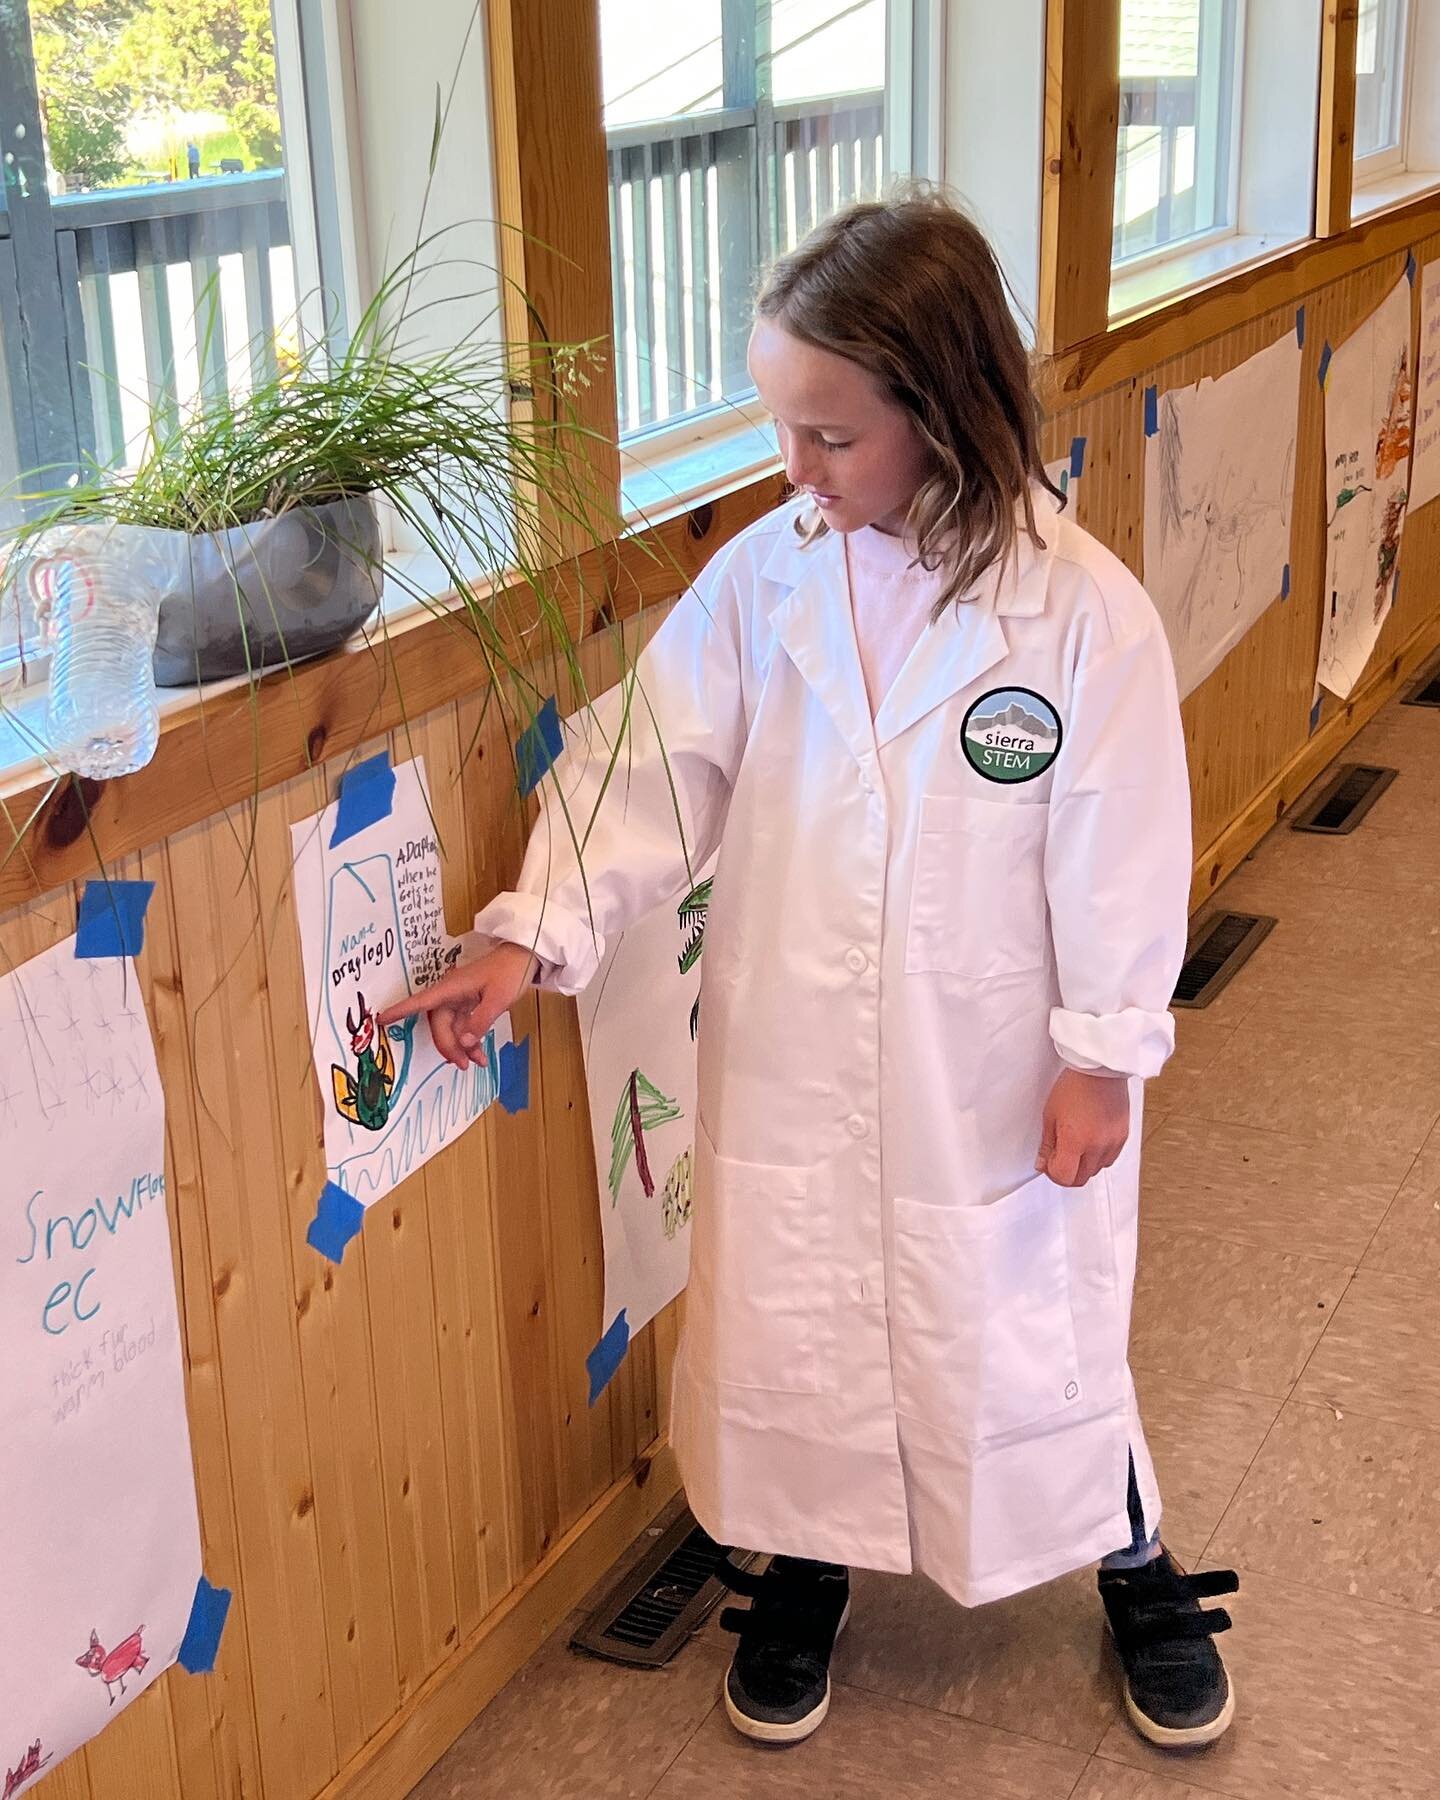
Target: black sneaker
778	1687
1177	1692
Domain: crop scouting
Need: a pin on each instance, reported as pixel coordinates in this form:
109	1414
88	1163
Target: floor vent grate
660	1603
1225	943
1345	799
1426	691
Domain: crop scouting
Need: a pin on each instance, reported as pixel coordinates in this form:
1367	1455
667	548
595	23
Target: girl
931	727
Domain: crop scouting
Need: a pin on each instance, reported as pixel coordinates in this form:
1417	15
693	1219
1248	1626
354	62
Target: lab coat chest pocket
757	1273
977	904
986	1338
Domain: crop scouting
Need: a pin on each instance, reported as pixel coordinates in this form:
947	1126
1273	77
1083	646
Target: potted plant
247	536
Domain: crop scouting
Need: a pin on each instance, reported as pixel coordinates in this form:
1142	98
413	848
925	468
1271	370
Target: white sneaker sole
1192	1737
759	1731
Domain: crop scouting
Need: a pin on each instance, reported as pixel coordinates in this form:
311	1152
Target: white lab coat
903	1347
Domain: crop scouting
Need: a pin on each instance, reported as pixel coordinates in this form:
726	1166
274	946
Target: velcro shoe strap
1162	1625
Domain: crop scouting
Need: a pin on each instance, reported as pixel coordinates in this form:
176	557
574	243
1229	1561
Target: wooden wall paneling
588	1445
1335	142
69	1780
214	1718
474	1227
517	1162
134	1757
1077	199
333	1336
457	1179
241	1162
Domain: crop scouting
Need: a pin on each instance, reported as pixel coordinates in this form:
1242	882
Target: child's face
843	438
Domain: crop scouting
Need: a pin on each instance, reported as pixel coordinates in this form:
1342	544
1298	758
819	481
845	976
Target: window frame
1391	159
1141	262
664	454
1086	347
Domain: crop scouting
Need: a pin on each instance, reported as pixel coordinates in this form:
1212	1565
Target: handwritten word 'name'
367	953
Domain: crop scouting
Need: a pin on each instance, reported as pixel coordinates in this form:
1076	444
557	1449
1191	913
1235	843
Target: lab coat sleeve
621	831
1118	859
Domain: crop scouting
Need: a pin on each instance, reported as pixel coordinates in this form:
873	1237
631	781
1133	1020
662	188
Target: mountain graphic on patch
1016	719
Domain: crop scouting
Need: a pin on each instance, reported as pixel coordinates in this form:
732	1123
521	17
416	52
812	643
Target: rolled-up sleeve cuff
1133	1042
568	949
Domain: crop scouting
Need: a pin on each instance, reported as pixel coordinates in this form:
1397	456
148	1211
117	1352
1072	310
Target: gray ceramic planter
262	595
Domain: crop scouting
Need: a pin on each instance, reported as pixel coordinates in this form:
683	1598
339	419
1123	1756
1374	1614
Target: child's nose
799	466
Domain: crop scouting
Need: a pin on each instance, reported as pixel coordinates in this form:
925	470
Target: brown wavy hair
908	288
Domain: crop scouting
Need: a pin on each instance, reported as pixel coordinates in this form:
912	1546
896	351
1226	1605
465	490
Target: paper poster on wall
1219	484
372	929
638	1024
99	1536
1425	468
1368	397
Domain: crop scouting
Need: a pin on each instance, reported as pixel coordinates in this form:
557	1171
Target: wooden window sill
1132	346
221	745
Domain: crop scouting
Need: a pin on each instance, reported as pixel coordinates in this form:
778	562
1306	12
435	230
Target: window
1177	122
148	190
1380	82
1215	164
734	126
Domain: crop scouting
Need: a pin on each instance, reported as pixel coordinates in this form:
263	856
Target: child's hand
464	1003
1087	1120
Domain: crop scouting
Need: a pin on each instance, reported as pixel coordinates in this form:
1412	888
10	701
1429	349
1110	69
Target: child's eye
833	444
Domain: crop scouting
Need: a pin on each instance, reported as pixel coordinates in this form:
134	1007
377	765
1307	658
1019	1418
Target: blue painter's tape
1412	268
1323	371
1300	326
338	1216
1077	458
1315	714
515	1076
201	1642
1285	582
538	746
112	918
366	794
1152	411
607	1356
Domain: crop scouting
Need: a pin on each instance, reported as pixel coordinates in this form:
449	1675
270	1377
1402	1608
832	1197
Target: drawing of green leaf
642	1108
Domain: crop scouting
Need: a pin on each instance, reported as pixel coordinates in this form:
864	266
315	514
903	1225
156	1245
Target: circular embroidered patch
1011	734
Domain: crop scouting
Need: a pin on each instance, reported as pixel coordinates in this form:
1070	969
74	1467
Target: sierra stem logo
1011	734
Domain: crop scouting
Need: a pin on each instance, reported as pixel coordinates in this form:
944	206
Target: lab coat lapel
815	625
949	654
970	638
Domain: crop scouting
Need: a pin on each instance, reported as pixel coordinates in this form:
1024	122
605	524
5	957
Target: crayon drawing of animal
365	1097
112	1666
28	1767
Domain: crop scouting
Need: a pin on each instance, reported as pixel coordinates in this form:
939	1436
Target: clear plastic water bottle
100	609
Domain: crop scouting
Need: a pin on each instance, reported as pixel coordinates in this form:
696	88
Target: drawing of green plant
692	913
642	1108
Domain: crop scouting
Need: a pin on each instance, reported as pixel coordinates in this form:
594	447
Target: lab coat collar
814	622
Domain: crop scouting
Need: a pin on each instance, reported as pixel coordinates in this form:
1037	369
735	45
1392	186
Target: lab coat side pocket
984	1343
977	902
757	1268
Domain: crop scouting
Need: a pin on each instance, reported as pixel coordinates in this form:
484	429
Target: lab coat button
857	1126
856	959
